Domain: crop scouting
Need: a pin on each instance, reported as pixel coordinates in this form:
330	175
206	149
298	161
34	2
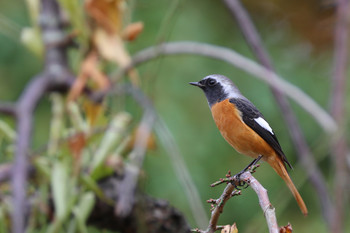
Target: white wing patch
263	124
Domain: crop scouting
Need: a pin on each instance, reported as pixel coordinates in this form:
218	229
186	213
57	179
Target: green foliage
73	182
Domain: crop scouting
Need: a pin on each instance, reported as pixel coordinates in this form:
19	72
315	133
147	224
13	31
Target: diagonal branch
340	148
230	191
8	108
249	66
304	153
169	144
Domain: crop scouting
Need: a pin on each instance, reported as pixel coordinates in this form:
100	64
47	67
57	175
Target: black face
213	90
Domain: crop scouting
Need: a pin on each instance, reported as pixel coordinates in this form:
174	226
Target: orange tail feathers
280	168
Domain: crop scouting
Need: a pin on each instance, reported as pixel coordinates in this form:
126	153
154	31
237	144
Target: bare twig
170	145
304	154
25	107
229	191
132	170
220	203
338	107
233	58
8	108
267	208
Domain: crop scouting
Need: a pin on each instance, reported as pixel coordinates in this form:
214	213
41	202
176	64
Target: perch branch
230	191
267	208
304	153
235	59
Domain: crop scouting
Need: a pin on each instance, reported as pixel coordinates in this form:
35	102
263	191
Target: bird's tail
280	168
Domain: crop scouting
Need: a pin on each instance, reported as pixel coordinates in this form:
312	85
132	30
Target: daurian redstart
244	127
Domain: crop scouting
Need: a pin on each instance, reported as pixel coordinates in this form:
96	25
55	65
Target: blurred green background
298	37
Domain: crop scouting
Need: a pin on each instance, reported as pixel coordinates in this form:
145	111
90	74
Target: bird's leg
238	175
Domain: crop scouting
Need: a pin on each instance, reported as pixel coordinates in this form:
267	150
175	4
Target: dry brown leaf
286	229
93	111
151	141
76	144
89	70
107	33
230	229
111	47
132	31
107	14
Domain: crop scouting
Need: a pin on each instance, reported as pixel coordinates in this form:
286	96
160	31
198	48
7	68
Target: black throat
214	94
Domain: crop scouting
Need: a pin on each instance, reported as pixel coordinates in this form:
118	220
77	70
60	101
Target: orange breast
237	133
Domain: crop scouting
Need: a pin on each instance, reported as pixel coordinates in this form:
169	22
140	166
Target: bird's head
217	88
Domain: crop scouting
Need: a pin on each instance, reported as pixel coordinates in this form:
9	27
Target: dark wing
249	114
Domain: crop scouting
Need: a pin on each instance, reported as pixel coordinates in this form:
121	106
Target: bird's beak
197	84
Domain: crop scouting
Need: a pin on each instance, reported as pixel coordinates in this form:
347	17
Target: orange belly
237	133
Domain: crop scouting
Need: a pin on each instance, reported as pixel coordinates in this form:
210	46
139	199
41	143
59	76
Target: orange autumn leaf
89	70
93	111
286	229
150	144
107	14
132	31
76	143
111	47
107	33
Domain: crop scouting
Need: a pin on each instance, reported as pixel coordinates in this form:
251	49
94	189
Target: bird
244	127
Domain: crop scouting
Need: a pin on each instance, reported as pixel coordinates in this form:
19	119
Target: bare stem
267	208
338	110
229	191
241	62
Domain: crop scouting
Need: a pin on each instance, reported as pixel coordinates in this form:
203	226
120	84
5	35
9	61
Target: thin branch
338	109
267	208
230	191
26	105
129	183
8	108
171	147
233	58
304	153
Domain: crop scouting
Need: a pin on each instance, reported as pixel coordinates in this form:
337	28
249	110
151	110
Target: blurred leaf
93	186
107	14
33	7
59	183
56	125
7	131
2	220
77	18
31	38
132	31
111	47
83	209
76	145
76	118
43	165
89	70
93	111
114	133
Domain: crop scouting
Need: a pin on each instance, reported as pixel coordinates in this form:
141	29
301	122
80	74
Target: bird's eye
211	82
